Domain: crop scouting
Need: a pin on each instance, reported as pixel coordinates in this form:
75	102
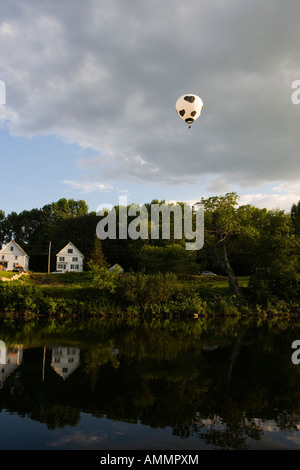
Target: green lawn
76	284
216	285
7	274
84	279
45	279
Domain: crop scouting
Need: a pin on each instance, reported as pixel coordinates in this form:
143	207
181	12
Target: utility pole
49	257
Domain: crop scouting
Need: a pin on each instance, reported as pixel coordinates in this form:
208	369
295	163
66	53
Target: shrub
268	286
144	290
15	297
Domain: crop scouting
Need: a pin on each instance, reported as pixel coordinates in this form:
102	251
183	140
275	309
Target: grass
67	291
70	284
215	286
7	274
66	279
66	285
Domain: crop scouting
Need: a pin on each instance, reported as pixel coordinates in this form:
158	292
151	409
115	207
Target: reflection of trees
100	354
247	388
233	357
159	374
288	421
229	427
59	416
230	431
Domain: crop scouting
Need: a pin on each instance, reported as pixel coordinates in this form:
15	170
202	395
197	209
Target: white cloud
279	197
87	187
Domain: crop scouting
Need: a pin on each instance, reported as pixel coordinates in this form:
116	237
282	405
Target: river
198	384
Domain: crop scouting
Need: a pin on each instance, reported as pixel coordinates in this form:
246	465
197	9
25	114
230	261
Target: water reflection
10	359
225	384
65	360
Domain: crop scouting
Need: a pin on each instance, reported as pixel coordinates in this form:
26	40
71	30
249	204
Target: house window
61	266
70	250
2	256
74	266
75	258
16	257
61	258
65	370
11	248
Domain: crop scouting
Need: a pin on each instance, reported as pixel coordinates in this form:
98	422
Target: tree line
239	240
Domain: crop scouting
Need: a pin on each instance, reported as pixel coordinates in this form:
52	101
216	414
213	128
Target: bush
145	290
268	286
15	297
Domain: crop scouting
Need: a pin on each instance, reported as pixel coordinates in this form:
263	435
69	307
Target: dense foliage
240	240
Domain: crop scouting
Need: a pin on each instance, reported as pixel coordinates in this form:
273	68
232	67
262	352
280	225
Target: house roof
115	266
14	243
71	244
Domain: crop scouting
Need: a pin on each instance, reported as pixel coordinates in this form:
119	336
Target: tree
97	257
103	279
64	208
295	216
2	219
172	258
221	224
244	248
278	252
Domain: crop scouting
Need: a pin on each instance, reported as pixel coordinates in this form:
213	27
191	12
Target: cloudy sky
91	89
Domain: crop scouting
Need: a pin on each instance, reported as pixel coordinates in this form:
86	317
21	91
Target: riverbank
75	294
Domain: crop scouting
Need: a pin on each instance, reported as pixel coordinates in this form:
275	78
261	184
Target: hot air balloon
189	107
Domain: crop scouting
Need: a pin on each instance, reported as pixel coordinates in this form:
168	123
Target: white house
69	259
12	255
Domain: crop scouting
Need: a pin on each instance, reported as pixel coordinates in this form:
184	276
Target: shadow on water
211	383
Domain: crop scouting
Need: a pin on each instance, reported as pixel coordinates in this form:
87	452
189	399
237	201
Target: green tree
221	224
2	219
172	258
244	247
278	253
97	257
103	279
295	216
65	208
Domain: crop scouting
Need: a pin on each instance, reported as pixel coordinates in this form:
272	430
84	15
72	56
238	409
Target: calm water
134	384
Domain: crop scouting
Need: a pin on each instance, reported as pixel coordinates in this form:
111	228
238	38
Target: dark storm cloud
107	74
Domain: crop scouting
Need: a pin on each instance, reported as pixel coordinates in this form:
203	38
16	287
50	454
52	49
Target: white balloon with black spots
189	107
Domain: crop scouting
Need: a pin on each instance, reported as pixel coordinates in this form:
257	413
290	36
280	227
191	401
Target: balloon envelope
189	107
